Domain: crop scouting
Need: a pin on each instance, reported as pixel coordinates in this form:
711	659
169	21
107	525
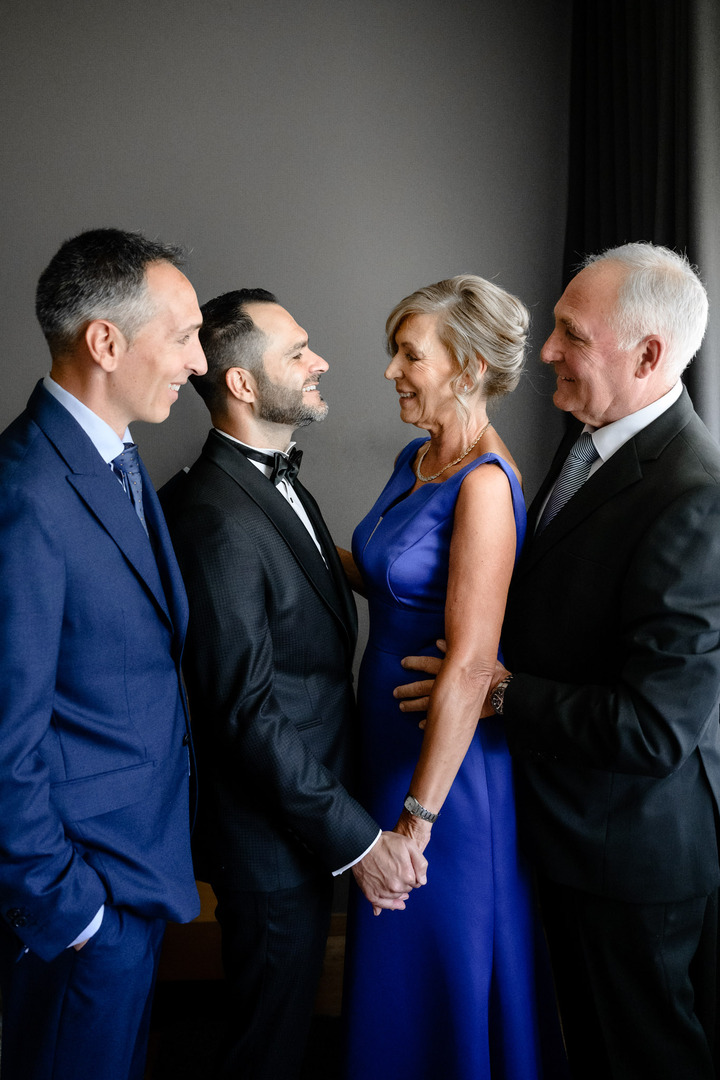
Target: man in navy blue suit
94	816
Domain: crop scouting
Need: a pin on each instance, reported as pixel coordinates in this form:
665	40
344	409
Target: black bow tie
284	466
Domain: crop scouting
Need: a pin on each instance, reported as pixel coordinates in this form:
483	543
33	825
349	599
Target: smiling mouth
309	389
176	386
405	394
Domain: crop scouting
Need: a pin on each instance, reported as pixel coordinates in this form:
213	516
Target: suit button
186	739
17	917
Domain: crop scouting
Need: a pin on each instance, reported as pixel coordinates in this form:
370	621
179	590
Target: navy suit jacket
613	632
93	728
268	670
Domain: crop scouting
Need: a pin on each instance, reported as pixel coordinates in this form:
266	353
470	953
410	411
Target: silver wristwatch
417	809
497	697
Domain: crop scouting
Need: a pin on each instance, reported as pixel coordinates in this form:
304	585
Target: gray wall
338	152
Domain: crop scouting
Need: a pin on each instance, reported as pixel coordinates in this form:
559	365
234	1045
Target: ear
105	343
651	356
481	369
241	384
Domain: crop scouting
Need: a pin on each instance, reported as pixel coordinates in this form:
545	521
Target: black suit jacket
268	671
613	635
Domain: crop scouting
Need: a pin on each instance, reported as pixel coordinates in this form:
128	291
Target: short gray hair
660	294
477	319
99	274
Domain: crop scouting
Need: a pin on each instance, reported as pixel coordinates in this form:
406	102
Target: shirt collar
610	438
106	441
266	469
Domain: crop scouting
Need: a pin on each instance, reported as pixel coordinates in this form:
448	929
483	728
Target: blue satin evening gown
454	987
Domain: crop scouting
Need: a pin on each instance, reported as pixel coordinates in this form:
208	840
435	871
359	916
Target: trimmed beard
281	405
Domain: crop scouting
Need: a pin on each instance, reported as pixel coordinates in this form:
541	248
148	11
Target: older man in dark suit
94	817
268	670
612	635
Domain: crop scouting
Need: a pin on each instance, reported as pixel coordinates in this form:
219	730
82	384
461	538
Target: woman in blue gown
451	988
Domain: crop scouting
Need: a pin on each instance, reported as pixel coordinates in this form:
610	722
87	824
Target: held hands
414	828
393	867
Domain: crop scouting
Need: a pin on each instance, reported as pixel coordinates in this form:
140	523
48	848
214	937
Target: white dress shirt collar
265	469
283	488
106	441
610	438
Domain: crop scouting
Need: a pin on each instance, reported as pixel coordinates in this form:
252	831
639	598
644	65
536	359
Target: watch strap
497	697
417	809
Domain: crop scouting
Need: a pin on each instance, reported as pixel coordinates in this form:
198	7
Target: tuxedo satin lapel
99	489
342	590
280	515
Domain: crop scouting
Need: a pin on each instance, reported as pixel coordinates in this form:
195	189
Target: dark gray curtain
645	145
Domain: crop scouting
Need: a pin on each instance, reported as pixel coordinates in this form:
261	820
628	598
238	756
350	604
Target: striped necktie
572	476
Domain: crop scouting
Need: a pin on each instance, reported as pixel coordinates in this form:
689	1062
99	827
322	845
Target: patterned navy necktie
572	476
127	468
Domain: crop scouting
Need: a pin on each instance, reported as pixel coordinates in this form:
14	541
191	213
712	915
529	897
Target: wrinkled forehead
420	331
592	294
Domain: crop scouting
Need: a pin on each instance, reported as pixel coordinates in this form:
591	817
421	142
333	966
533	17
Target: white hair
660	294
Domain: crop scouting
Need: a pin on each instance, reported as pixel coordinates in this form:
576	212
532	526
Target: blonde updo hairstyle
478	321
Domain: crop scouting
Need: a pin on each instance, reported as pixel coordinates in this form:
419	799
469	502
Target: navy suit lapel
173	587
99	489
284	519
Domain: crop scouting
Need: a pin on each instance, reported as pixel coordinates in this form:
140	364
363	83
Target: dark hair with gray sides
99	274
229	339
660	294
477	319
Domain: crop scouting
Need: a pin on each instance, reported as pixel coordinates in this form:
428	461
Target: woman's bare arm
482	555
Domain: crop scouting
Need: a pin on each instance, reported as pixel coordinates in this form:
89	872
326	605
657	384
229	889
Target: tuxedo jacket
268	671
93	727
613	635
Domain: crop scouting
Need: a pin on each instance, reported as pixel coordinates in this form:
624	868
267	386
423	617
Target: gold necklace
450	463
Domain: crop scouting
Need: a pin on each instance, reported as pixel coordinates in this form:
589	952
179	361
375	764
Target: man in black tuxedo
612	635
268	670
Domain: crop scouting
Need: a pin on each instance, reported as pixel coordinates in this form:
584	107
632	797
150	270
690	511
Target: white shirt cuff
90	929
359	858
